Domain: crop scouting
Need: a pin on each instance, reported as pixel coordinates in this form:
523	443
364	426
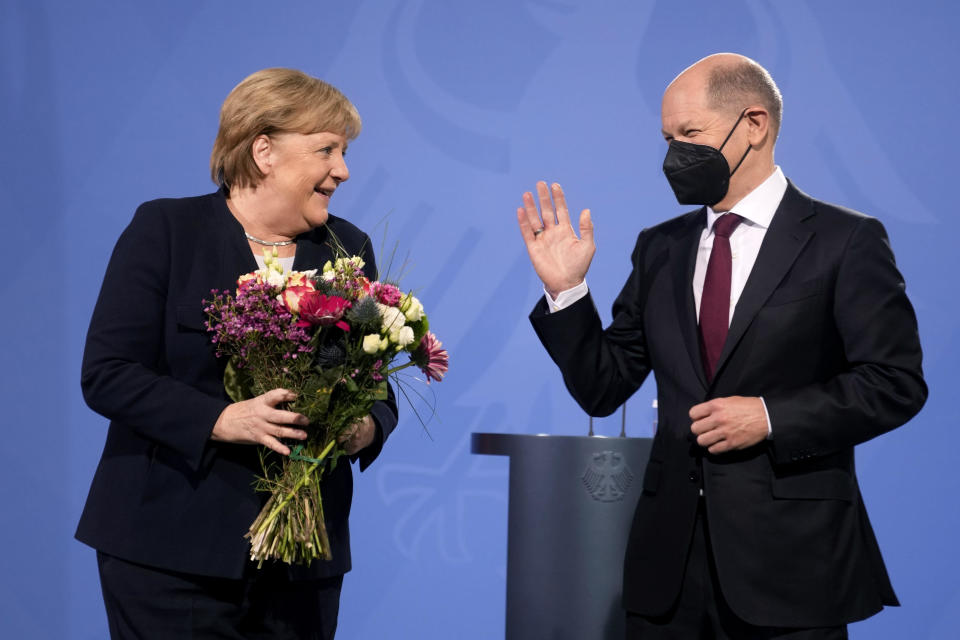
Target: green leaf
314	399
420	328
237	381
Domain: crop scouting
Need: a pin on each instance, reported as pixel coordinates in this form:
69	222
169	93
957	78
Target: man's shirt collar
758	206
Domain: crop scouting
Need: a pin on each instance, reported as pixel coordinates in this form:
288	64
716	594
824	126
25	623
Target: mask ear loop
735	125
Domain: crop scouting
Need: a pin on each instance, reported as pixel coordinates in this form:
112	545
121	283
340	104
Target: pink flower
299	279
292	295
386	294
248	279
364	284
317	308
431	358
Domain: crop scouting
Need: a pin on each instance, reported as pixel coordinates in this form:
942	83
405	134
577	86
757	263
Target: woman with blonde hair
173	493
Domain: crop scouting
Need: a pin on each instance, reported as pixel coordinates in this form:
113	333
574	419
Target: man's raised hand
559	256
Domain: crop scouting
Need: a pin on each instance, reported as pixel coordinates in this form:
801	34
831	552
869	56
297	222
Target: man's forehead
685	101
676	116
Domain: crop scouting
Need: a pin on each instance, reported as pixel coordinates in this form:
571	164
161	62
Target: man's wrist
563	299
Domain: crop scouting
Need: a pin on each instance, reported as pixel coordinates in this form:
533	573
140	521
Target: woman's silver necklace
282	243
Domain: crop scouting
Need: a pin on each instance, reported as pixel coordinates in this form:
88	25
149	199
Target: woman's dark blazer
164	494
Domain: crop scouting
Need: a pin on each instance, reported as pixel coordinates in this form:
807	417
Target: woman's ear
262	151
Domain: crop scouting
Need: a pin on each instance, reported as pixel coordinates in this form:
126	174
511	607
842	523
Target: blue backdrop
465	105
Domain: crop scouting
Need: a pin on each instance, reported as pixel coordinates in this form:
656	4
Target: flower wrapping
332	338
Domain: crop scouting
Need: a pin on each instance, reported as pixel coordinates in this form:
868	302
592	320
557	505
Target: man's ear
758	125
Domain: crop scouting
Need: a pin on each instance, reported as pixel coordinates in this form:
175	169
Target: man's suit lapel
781	246
683	261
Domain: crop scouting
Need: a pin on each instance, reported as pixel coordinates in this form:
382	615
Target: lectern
570	507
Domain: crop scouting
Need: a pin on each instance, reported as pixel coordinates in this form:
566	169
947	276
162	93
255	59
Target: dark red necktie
715	302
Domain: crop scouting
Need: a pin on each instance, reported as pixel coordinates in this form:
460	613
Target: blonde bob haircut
274	101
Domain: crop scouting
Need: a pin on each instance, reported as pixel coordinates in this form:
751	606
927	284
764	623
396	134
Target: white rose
276	278
405	336
412	308
393	319
371	343
394	334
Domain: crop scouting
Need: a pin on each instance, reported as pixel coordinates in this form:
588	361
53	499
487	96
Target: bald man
780	336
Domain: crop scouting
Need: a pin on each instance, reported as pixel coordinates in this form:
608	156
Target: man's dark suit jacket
824	332
164	494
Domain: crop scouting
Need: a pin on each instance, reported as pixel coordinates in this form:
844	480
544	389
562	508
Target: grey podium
571	503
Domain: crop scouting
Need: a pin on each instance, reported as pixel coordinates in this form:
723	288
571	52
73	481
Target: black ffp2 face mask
698	173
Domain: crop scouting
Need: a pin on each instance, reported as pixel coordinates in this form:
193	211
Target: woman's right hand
259	421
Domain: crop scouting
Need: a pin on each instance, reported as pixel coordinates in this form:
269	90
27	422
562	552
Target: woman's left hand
359	436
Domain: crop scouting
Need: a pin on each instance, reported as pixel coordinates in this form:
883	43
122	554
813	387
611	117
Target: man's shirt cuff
766	413
566	298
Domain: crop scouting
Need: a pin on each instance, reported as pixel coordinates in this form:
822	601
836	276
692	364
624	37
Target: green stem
296	487
390	372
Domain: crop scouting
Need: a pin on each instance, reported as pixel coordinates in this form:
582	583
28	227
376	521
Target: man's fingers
703	425
553	211
546	205
586	226
710	438
721	447
525	229
728	424
530	212
700	411
563	214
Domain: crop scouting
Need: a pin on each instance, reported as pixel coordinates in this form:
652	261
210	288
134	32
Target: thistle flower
330	355
365	313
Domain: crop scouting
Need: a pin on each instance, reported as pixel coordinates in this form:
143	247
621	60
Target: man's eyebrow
681	128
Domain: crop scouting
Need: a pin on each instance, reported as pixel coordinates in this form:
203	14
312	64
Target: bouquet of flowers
331	338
